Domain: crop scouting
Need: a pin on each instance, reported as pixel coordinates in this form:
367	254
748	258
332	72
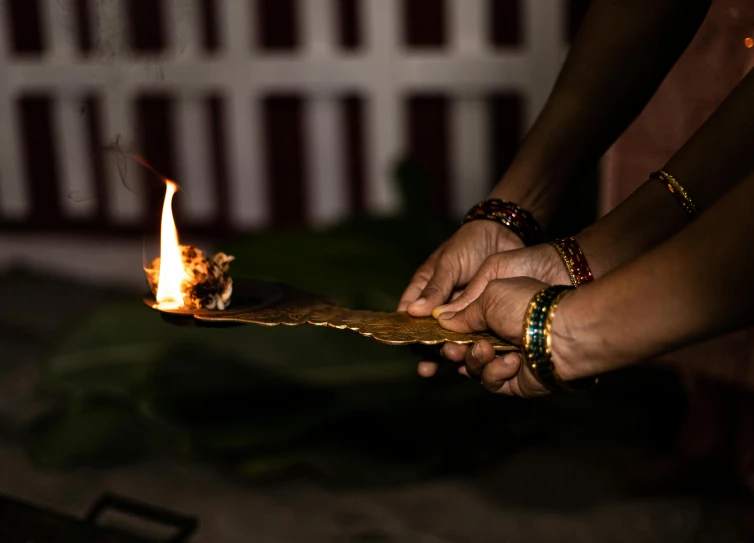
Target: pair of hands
500	278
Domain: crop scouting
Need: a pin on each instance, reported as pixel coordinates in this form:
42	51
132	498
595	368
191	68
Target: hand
500	308
541	262
453	265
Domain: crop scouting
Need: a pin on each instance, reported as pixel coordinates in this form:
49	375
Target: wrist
567	343
600	261
497	236
515	220
554	271
537	342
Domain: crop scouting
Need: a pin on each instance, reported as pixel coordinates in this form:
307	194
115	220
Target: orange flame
172	275
749	43
172	272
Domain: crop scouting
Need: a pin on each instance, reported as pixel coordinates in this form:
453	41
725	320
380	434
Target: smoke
122	159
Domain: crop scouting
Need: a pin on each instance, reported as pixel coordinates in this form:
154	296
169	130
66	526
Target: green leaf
92	434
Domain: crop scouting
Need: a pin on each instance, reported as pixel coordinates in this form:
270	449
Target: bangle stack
512	216
677	190
537	341
575	262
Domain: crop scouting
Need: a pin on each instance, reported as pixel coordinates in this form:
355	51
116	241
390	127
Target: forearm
693	287
622	54
717	156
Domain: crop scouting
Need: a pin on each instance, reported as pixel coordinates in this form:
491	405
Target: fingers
474	289
417	284
480	354
493	268
436	292
504	374
451	351
454	352
469	319
427	368
500	371
497	374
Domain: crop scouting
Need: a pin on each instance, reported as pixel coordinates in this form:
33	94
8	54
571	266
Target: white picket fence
382	71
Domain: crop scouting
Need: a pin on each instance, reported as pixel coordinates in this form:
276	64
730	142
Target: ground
562	492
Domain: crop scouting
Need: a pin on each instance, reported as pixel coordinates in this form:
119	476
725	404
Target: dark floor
568	492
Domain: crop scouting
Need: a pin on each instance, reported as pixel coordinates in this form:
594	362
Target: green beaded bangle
536	351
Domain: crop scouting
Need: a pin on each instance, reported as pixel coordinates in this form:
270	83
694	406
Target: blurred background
331	144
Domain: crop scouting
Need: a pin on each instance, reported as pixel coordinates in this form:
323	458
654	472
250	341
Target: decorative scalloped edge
496	343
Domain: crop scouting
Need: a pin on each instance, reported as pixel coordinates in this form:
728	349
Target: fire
183	276
749	43
172	272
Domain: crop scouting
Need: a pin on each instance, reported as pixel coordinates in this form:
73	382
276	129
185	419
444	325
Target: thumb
472	291
438	290
469	319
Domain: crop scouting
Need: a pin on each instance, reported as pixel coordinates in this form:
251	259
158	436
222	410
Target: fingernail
439	310
420	301
475	351
447	316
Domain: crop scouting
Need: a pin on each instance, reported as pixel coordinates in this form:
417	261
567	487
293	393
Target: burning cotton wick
183	277
172	273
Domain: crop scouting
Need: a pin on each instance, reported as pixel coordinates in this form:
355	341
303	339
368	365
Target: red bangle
512	216
574	260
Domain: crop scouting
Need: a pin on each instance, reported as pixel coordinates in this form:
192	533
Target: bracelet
537	343
574	260
677	190
512	216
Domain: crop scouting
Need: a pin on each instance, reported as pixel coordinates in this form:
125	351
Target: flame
172	273
749	43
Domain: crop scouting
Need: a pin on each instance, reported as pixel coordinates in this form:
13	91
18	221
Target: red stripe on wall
40	158
424	23
349	23
83	28
154	114
208	25
286	168
24	26
428	136
354	141
505	23
277	26
219	158
507	128
146	25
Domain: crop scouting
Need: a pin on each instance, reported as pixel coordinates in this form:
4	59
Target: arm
718	155
695	286
623	52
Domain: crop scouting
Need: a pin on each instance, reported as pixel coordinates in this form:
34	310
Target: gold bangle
536	342
677	190
574	260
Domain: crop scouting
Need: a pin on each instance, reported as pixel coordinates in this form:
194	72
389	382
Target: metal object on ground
22	522
272	304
